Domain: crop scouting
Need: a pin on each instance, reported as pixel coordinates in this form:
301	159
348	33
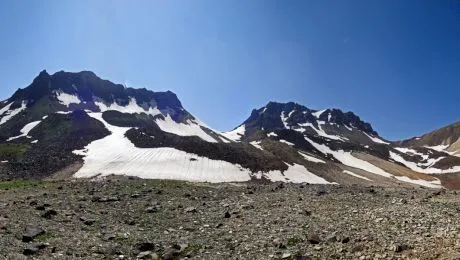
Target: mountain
77	124
446	139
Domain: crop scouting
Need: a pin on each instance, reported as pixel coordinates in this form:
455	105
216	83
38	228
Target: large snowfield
115	154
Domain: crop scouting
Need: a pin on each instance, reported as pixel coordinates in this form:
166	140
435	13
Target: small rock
87	221
49	213
151	209
109	236
398	248
314	239
31	233
34	248
145	246
227	215
145	255
286	256
172	252
190	210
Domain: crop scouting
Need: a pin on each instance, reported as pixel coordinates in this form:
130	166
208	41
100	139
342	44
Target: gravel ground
121	218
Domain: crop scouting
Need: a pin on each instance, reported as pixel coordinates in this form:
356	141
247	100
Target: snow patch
8	114
256	144
376	139
236	133
25	130
317	114
190	128
284	120
431	184
311	158
34	142
439	148
297	174
286	142
131	108
356	175
415	167
349	160
272	134
67	99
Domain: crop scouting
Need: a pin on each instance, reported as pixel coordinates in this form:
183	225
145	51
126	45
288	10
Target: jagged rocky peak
85	90
291	115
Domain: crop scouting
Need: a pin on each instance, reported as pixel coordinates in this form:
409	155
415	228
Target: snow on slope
317	114
8	114
349	160
236	133
5	108
415	167
311	158
297	174
356	175
115	154
131	108
256	144
320	131
67	99
430	184
376	140
188	129
25	130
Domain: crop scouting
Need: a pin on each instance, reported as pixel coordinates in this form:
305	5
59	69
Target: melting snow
430	184
376	139
349	160
5	108
131	108
4	162
317	114
25	130
34	142
439	148
189	129
8	114
67	99
349	128
356	175
286	142
257	145
115	154
297	174
272	134
284	120
415	167
236	133
311	158
320	131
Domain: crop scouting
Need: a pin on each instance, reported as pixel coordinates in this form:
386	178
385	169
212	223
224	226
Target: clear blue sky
394	63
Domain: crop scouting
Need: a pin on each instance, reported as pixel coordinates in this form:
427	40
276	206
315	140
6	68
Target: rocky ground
120	218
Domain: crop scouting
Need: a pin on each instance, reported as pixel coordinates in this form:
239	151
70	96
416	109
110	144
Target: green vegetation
12	151
17	184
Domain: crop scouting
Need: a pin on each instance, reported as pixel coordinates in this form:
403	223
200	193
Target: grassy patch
12	151
191	250
17	184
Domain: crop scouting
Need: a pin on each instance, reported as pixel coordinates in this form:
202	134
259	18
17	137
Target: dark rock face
269	118
90	88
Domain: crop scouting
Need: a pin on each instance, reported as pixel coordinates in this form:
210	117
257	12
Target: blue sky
394	63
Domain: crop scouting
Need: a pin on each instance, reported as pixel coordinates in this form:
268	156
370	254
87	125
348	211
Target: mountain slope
85	126
446	139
